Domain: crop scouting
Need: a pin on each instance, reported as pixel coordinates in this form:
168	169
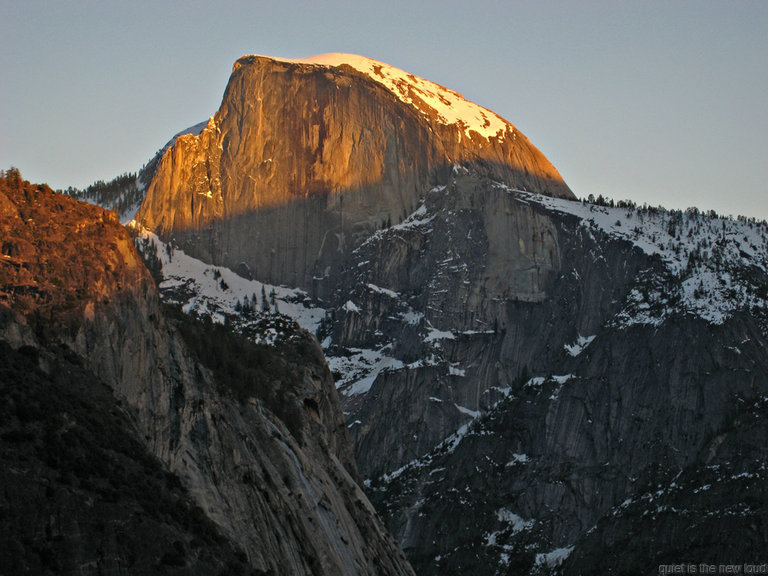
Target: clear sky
658	102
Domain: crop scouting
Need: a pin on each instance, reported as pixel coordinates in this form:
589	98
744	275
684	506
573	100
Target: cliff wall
555	385
303	161
281	487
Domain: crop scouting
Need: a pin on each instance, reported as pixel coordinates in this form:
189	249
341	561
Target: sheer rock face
636	442
304	160
81	494
649	452
484	284
284	492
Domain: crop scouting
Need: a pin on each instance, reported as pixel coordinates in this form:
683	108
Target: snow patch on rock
428	98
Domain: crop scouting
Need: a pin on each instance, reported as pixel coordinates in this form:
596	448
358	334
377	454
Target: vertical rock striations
305	159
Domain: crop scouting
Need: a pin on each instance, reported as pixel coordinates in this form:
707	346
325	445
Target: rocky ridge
269	464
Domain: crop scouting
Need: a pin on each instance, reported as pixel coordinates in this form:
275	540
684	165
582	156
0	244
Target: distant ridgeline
122	194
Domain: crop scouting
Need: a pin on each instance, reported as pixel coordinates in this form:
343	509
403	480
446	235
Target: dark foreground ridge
81	494
128	448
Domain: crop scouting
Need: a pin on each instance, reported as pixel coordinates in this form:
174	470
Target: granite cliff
259	475
548	372
305	159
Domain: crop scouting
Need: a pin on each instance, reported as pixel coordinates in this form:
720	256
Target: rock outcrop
305	159
634	448
268	464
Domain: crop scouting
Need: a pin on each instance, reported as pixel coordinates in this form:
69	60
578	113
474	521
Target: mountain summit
432	100
306	158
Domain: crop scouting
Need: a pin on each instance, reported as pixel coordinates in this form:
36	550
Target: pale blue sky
658	102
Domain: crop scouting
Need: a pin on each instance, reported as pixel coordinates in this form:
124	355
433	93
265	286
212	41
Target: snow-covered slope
431	99
719	263
224	296
715	267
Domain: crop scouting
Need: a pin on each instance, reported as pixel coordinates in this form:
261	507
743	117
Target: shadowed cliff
250	438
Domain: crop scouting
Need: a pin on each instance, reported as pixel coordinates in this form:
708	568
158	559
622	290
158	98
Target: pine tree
264	302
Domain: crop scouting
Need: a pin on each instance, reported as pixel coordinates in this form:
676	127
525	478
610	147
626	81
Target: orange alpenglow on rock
63	260
263	182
